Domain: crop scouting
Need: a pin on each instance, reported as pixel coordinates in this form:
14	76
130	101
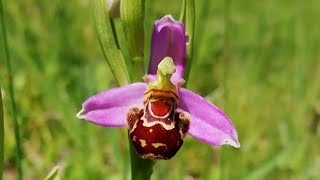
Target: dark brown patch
171	140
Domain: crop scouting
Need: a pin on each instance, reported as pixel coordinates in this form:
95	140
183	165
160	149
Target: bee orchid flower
159	112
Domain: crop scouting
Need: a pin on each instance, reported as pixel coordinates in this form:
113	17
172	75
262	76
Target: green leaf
141	169
187	16
132	18
18	150
108	42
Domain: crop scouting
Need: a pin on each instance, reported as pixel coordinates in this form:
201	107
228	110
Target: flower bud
113	8
168	40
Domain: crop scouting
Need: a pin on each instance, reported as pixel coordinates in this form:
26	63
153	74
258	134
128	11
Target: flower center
160	107
162	83
157	131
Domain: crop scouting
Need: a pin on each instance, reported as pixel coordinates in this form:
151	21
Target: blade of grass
18	150
140	168
226	69
54	174
285	159
1	136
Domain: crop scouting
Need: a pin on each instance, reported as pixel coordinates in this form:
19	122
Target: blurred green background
257	60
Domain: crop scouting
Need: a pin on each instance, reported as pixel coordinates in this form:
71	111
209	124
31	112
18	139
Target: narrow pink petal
208	123
168	39
109	108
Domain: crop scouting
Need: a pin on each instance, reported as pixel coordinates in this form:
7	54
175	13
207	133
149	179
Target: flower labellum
157	130
159	113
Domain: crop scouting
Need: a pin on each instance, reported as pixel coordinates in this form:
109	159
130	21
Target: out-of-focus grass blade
287	157
54	174
187	16
1	136
311	171
18	150
108	43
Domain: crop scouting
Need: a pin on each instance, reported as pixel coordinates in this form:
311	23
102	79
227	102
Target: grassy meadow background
257	60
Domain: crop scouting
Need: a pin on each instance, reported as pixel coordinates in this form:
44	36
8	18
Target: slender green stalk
1	136
18	150
226	58
141	169
226	49
187	16
114	32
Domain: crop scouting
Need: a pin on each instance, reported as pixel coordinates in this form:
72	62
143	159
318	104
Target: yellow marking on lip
159	92
143	142
134	127
156	145
152	156
150	124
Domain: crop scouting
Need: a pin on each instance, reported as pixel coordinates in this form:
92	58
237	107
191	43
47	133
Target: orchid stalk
1	137
159	113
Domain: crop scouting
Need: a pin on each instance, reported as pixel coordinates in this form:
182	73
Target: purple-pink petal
208	123
168	39
109	108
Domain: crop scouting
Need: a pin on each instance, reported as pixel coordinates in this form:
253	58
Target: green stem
226	59
18	150
1	136
226	50
141	169
187	16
